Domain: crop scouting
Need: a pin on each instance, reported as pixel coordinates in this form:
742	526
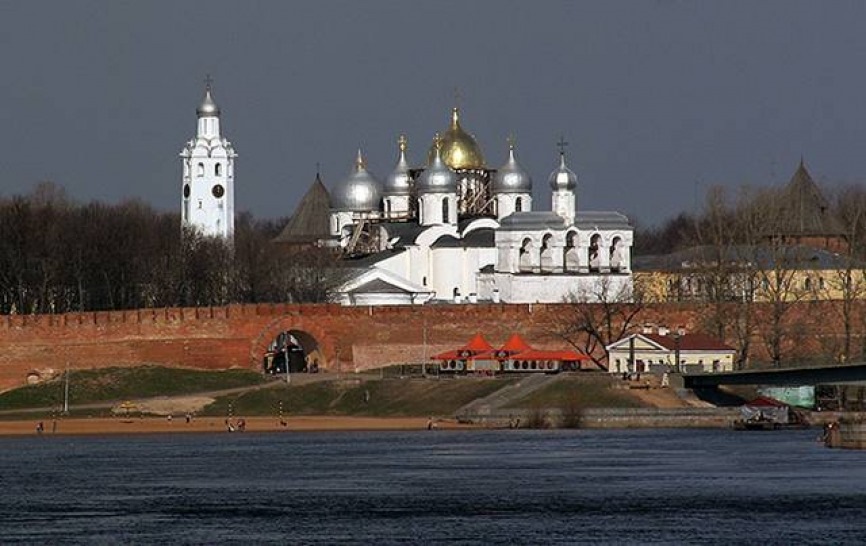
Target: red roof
477	347
515	344
689	342
478	344
515	348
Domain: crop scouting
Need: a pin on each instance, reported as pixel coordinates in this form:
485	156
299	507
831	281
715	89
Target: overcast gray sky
658	99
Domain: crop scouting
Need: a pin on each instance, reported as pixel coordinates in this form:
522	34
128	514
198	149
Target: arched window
445	211
616	255
570	259
218	169
518	204
525	261
546	254
200	169
594	243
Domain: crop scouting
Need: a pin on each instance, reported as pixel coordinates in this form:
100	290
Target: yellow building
760	273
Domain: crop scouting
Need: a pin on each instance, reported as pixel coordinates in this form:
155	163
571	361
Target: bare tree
598	316
846	283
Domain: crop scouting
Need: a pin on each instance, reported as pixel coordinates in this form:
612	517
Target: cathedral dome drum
458	148
437	177
563	178
511	178
360	192
399	182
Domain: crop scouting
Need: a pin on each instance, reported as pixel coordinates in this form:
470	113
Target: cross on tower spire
208	82
562	144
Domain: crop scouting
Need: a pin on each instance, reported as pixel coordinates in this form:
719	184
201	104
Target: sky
658	100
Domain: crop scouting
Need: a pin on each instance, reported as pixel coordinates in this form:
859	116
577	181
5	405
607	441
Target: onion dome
399	182
563	178
458	148
511	178
437	177
360	192
207	108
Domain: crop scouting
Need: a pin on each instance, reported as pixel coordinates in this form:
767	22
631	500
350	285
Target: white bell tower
207	187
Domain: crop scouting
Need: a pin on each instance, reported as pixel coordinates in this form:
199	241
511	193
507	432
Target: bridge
783	377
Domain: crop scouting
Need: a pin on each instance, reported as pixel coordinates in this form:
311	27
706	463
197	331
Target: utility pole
66	391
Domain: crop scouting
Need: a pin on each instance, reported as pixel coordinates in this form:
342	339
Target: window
200	170
807	283
594	243
445	211
518	204
218	169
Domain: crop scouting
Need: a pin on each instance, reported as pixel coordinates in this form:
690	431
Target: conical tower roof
805	211
309	223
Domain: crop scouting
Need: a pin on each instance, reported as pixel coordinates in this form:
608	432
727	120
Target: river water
465	487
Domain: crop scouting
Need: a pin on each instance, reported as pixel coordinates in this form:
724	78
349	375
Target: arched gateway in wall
317	346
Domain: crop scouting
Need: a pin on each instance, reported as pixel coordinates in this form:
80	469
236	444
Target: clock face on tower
218	191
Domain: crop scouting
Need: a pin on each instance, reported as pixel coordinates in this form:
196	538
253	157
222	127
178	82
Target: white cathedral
452	230
456	230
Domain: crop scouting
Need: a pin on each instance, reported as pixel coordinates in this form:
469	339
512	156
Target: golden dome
457	148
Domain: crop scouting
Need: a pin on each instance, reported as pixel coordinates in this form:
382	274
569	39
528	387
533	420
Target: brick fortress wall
349	338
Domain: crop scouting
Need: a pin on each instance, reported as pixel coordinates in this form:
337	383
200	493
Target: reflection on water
584	486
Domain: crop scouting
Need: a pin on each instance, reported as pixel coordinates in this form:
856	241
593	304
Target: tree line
59	256
750	257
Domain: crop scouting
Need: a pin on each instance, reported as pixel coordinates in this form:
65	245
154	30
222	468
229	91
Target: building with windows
454	229
661	350
207	184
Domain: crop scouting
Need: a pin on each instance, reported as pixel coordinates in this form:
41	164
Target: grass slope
580	392
111	384
385	398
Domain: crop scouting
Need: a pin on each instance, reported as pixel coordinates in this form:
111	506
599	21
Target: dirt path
119	425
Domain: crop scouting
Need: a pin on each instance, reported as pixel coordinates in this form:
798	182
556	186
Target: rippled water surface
485	487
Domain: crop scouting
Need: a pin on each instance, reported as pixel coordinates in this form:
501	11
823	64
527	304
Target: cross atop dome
561	144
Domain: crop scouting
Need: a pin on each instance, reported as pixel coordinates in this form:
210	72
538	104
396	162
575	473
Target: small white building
207	184
657	351
455	230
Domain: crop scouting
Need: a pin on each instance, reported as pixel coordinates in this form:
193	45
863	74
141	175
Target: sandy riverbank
99	426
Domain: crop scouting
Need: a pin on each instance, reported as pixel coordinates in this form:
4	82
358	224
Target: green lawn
110	384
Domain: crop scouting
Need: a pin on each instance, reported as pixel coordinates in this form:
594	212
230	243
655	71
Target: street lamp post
286	353
677	366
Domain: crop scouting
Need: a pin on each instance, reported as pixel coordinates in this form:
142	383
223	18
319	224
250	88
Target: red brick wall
236	336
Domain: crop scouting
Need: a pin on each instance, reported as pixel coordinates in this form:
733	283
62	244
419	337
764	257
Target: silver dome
360	192
563	178
437	177
399	182
511	178
207	108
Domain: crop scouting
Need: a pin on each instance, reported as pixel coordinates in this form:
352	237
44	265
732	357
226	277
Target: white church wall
559	288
